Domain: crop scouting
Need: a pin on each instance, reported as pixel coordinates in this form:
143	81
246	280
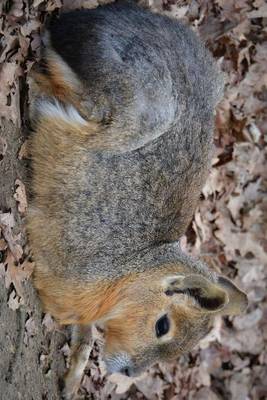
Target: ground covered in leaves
228	231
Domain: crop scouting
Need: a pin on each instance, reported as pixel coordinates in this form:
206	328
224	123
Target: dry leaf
123	382
17	274
9	94
20	196
14	302
49	323
6	225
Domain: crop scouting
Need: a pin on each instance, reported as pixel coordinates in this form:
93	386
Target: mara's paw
74	375
71	385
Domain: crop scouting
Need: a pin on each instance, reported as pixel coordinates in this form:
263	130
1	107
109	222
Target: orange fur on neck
81	303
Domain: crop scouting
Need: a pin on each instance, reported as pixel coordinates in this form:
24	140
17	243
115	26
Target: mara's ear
222	296
238	300
208	295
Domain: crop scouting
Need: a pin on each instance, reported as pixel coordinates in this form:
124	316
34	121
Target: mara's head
166	316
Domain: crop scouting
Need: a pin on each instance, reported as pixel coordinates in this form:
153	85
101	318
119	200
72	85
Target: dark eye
162	326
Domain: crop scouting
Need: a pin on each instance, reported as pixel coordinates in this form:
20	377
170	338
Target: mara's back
149	78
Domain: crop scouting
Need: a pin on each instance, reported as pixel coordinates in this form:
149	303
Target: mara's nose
125	371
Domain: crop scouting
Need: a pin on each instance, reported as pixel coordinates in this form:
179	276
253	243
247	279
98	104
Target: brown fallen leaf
14	302
20	196
49	323
6	225
30	330
123	382
16	274
9	93
151	386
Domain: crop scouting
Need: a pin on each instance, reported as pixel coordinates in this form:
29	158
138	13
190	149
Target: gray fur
149	78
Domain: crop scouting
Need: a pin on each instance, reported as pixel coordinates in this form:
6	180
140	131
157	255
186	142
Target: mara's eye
162	326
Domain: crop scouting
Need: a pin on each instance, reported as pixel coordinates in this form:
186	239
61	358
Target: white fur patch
53	109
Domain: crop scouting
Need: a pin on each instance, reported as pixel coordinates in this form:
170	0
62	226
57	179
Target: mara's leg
106	99
54	81
54	78
81	345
